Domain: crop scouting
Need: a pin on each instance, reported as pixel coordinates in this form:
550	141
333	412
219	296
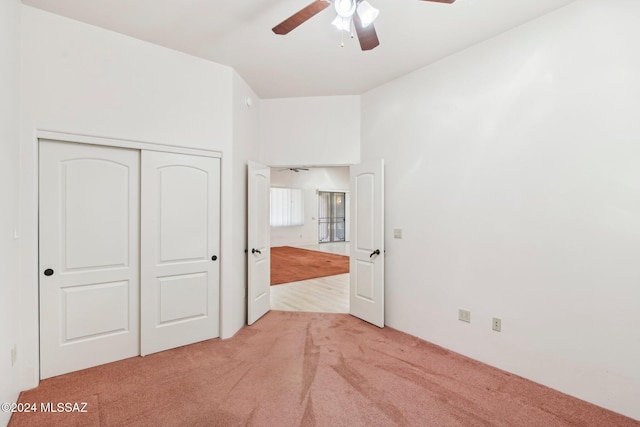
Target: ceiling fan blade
367	36
300	17
441	1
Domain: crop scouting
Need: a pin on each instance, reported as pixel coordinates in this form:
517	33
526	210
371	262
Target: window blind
287	207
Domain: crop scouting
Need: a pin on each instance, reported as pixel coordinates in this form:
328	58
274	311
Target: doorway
324	230
366	260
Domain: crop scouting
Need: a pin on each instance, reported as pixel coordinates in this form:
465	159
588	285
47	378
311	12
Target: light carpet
308	369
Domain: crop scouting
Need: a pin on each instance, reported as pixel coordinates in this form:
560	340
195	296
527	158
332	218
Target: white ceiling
308	61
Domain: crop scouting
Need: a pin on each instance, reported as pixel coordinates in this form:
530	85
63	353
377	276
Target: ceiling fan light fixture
367	13
341	23
345	8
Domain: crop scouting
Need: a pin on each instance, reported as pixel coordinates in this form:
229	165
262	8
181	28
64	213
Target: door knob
213	258
255	251
376	252
48	272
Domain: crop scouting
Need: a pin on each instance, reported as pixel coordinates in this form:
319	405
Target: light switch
397	233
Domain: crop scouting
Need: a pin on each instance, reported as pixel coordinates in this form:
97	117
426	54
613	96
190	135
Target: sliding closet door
89	266
180	249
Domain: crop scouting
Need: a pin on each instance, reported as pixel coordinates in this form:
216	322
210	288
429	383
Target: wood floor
324	294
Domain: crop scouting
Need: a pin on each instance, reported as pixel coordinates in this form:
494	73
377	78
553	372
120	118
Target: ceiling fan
294	169
360	12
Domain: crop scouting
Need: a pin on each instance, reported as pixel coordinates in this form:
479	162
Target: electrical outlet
13	355
496	324
397	233
464	315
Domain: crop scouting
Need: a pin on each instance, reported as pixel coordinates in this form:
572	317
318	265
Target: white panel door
366	298
89	266
180	245
259	253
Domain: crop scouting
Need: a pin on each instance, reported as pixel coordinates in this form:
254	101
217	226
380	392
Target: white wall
9	205
81	79
319	131
513	173
245	148
331	178
513	169
315	131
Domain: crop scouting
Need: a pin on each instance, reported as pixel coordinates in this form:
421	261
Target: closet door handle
376	252
213	258
255	251
48	272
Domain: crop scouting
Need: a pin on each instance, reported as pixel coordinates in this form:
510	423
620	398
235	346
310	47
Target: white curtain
287	207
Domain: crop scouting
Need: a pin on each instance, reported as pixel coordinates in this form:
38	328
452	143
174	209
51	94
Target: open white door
366	297
180	271
259	256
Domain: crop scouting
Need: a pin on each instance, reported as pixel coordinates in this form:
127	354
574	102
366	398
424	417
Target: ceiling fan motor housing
345	8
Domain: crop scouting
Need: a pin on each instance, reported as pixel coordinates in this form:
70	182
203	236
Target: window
287	207
331	216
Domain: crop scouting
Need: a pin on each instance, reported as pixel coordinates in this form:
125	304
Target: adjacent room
310	226
475	162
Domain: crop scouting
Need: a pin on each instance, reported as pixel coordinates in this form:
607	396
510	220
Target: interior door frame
31	246
348	193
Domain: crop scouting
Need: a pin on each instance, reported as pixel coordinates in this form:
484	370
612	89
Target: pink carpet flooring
308	369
